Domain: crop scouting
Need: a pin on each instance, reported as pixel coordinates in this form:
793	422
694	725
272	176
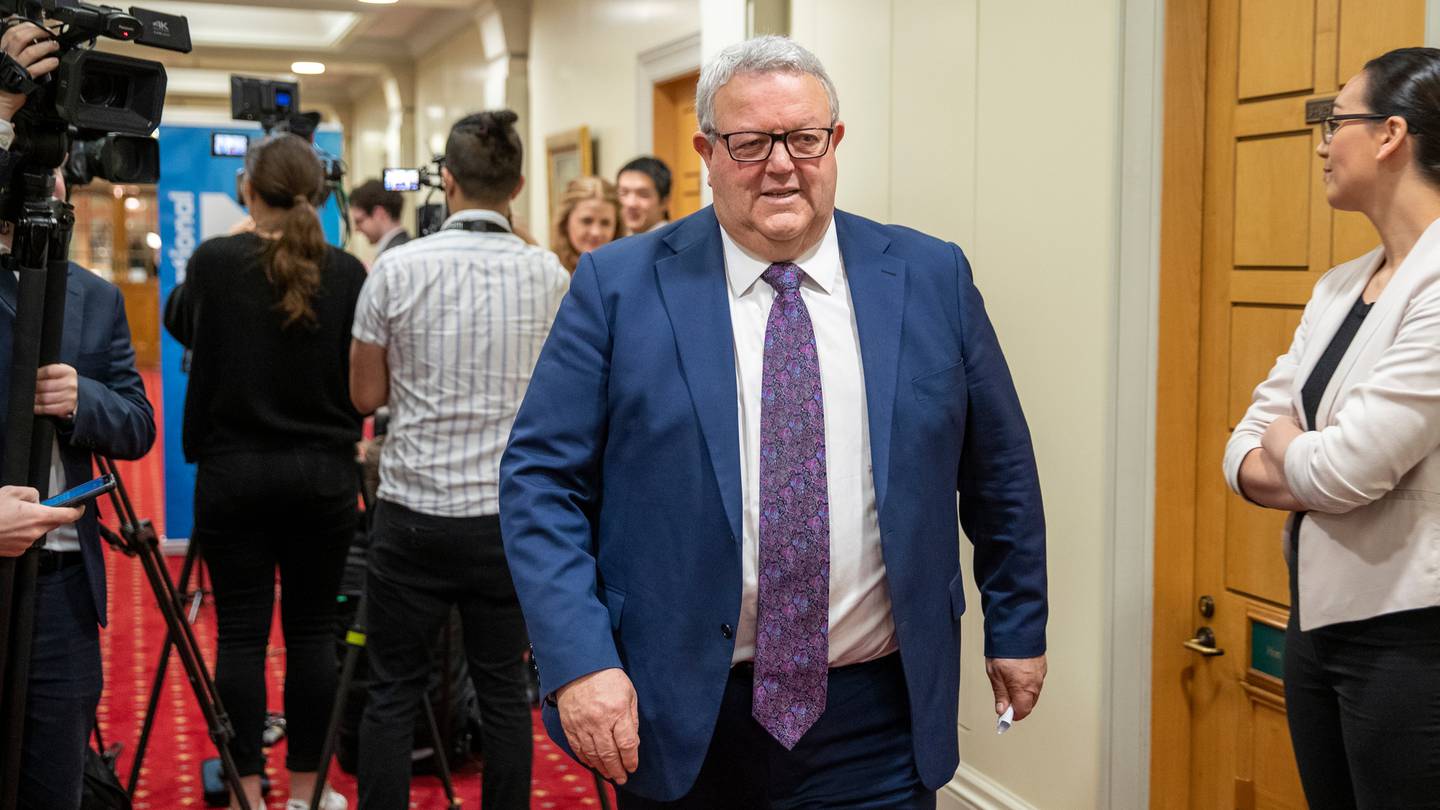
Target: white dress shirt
861	625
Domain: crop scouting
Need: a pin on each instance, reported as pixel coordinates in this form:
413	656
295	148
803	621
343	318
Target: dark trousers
859	754
421	567
294	511
1363	701
64	689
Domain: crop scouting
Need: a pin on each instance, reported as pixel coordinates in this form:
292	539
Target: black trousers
859	754
64	688
422	566
257	512
1363	701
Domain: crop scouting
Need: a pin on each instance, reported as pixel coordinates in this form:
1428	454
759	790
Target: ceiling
355	41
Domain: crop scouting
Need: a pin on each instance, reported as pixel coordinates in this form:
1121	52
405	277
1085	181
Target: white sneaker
331	801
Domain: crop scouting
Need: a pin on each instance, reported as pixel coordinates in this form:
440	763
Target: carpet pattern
170	776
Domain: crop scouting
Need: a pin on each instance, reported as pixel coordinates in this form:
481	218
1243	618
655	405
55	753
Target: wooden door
675	122
1264	236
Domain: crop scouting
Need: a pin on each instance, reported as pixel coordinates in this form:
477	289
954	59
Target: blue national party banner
196	195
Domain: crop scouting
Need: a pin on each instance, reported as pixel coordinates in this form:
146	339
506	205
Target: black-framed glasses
755	147
1332	123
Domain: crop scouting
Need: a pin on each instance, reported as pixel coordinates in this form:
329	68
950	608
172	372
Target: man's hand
1016	682
57	391
602	722
35	49
23	519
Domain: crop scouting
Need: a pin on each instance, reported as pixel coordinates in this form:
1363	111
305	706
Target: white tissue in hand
1005	721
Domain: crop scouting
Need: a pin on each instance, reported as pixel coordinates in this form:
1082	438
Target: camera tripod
137	538
40	257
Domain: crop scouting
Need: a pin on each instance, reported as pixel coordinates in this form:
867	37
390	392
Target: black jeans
1363	700
255	512
420	567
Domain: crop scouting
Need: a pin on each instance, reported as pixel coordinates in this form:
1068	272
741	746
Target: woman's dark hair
484	155
284	171
1406	82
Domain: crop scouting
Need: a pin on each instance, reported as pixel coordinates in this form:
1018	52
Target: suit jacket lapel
692	286
877	293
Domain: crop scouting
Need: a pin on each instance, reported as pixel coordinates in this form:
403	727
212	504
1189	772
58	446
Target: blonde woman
589	217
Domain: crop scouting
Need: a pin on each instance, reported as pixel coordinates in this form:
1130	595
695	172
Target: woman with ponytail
268	420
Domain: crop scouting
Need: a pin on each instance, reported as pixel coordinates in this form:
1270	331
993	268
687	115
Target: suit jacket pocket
957	596
940	384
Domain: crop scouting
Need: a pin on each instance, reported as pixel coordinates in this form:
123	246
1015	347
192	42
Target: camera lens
103	89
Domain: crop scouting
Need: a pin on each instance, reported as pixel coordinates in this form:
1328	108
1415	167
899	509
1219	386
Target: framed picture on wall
568	155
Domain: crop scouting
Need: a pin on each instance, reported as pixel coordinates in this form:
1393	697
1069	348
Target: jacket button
727	631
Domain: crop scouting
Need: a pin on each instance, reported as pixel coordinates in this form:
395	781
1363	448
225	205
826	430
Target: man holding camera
447	331
98	403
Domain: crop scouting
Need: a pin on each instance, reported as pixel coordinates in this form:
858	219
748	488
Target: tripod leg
155	689
441	760
355	638
218	722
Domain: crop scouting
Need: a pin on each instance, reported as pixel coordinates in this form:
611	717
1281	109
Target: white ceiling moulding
265	27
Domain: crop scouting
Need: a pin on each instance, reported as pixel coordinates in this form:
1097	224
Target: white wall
996	124
583	63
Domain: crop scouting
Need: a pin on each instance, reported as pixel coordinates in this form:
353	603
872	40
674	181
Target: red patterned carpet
170	777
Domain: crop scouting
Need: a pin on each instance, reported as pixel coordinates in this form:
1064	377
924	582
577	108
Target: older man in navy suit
729	500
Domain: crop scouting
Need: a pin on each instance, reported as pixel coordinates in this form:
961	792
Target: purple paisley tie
792	630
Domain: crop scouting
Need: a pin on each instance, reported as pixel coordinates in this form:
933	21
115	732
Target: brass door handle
1204	643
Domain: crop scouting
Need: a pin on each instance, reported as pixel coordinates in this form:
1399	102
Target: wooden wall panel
1272	201
1258	335
1253	562
1370	27
1277	47
1276	778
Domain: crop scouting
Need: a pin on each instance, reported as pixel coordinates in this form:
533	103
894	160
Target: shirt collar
389	237
820	263
470	214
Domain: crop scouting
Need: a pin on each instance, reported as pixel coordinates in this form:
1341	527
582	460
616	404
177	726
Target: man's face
368	223
779	207
640	204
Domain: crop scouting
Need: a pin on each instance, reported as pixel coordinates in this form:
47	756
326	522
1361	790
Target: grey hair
767	54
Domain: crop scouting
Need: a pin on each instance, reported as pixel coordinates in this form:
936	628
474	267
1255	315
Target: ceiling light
380	2
308	68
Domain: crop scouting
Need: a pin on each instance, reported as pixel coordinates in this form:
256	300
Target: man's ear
703	146
519	187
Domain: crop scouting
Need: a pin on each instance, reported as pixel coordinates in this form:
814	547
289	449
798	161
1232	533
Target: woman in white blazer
1345	433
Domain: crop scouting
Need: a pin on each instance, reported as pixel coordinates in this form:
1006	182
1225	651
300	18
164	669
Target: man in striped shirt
447	331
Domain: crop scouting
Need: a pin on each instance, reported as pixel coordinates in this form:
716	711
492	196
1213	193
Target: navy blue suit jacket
620	497
113	416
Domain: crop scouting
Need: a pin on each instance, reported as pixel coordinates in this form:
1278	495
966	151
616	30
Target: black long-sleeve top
256	384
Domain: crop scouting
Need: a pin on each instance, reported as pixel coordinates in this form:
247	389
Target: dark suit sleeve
550	490
113	416
999	488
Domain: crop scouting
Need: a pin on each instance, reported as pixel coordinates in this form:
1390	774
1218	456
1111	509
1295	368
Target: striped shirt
462	316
